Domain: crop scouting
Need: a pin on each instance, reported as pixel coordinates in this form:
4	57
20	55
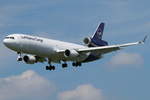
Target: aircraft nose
7	42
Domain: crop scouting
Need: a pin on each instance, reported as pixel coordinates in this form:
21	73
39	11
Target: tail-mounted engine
96	39
87	41
92	42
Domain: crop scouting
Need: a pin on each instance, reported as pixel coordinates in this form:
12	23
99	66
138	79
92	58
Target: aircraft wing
111	48
106	49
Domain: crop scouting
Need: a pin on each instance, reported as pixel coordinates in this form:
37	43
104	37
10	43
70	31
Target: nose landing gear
19	57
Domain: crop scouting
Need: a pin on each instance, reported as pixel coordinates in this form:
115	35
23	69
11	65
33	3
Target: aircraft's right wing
105	49
111	48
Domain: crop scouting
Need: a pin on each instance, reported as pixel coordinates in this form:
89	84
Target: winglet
144	40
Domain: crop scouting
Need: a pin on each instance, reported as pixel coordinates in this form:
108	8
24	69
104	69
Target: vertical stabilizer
97	37
99	32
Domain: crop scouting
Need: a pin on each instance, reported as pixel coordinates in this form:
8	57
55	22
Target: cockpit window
10	38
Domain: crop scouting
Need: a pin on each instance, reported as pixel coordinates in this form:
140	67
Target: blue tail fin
99	32
97	37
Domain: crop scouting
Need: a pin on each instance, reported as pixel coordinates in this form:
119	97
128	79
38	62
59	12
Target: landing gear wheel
73	64
19	59
47	67
53	67
79	64
50	67
64	65
76	64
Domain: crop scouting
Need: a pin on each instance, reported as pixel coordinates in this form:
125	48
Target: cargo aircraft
33	49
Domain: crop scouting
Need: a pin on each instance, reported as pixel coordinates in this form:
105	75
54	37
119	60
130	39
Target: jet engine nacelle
29	59
87	41
71	53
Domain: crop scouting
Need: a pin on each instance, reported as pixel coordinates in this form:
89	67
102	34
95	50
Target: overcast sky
122	75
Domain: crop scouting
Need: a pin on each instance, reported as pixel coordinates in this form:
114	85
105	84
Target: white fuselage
37	49
41	47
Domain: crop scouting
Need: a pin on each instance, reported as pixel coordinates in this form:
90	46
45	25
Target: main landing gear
50	67
76	64
64	65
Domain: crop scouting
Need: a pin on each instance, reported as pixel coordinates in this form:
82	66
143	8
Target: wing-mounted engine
31	59
74	55
71	53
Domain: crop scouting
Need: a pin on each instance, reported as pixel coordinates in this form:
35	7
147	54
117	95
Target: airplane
34	49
